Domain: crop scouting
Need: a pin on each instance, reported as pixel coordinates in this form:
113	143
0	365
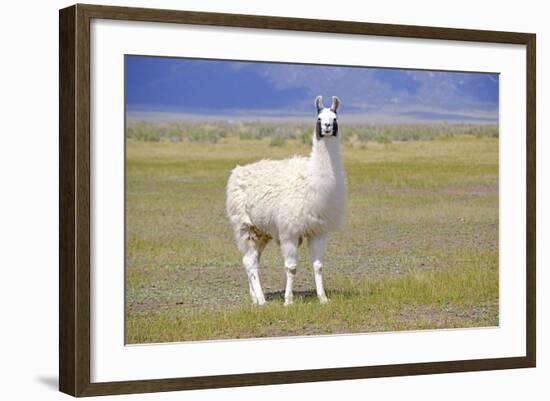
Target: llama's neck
326	161
327	183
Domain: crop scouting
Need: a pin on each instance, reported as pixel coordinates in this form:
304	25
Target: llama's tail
236	209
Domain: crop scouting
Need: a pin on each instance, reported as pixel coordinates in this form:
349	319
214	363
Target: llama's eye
319	119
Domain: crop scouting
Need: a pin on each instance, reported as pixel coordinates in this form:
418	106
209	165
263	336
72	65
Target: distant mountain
210	87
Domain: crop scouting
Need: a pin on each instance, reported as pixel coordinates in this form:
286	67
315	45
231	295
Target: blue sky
217	87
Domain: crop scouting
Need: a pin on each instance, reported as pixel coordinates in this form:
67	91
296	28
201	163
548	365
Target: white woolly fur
289	200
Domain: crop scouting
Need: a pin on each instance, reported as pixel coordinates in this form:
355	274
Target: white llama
289	200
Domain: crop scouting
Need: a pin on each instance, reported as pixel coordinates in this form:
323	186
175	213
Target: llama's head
327	122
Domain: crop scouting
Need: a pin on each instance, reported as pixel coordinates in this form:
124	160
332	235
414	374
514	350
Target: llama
288	201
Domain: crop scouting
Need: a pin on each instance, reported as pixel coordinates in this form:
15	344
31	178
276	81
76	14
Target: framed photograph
250	200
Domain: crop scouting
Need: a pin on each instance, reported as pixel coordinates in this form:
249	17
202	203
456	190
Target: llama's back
266	194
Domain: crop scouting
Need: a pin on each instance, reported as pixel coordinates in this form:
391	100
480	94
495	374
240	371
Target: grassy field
419	250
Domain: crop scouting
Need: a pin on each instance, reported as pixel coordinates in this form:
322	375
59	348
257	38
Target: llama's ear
335	104
319	103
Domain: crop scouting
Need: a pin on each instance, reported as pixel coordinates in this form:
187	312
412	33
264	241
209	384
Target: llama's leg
252	293
251	261
289	249
316	252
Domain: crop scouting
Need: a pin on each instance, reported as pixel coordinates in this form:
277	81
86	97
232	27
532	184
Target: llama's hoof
258	302
288	302
323	300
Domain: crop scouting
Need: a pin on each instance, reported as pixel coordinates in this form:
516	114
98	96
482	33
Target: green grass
419	250
458	297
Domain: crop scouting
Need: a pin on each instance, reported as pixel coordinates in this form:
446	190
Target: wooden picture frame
74	199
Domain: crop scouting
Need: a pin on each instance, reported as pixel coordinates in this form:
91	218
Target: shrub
143	132
305	138
277	141
383	139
